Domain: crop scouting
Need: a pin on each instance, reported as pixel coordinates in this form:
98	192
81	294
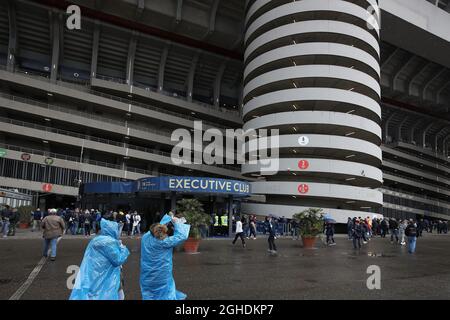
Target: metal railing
167	93
87	89
81	114
73	159
100	140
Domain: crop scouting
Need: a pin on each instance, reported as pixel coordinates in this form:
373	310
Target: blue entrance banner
173	184
194	185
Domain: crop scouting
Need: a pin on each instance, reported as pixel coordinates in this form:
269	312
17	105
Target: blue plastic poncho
157	281
99	274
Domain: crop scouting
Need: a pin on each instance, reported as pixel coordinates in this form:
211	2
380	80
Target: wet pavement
223	271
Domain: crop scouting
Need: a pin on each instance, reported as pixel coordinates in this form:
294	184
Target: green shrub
310	222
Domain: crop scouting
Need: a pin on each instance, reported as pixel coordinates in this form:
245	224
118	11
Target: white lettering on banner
208	184
194	186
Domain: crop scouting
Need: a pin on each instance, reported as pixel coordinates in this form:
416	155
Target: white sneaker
365	242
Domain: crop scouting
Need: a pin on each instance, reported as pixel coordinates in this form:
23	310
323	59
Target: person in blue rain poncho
156	280
99	274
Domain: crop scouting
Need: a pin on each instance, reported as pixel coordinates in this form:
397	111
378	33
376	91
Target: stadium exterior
362	112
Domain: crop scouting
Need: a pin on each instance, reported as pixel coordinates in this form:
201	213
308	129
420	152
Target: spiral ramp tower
312	71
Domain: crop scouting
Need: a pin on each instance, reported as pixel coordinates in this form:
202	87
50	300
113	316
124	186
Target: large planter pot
308	242
24	225
191	245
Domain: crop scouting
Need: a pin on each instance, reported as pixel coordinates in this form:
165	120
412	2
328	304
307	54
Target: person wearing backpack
411	233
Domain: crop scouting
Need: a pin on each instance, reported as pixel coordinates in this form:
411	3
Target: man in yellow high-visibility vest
224	223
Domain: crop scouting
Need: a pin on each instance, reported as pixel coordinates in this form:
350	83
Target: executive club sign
194	185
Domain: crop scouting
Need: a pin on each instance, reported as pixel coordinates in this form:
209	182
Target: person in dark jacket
357	234
13	220
393	228
411	233
329	231
270	227
349	228
384	227
6	214
37	218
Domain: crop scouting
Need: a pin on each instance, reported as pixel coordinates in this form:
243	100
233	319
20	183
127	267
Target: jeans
349	232
412	244
356	242
402	237
252	231
330	239
294	233
120	228
94	226
5	228
272	245
52	243
36	223
136	230
394	233
74	227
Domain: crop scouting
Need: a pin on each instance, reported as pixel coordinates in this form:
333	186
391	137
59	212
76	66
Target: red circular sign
47	187
25	156
303	164
303	188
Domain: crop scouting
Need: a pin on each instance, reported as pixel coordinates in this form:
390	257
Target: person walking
349	228
240	232
136	223
295	231
402	229
121	221
87	223
252	227
6	215
13	220
53	227
329	232
37	218
128	223
99	277
411	233
357	234
384	227
270	227
393	228
81	220
76	221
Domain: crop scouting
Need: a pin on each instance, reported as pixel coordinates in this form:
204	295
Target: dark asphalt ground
222	271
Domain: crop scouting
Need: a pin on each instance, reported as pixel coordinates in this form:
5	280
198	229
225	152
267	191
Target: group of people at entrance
362	230
86	222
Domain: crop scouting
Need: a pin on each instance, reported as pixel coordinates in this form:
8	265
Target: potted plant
310	224
24	213
192	210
